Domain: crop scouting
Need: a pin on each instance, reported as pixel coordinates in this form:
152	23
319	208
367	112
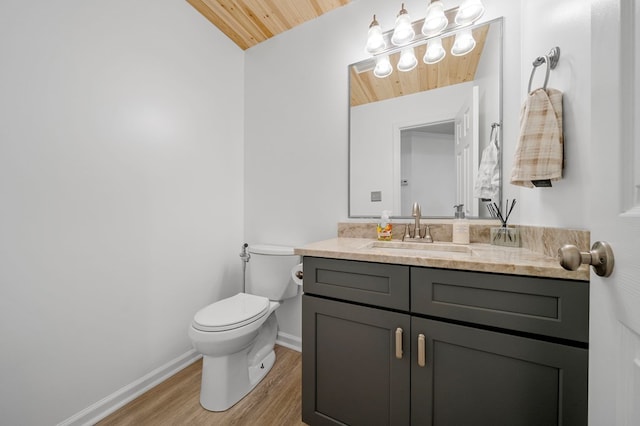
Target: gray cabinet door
350	372
478	377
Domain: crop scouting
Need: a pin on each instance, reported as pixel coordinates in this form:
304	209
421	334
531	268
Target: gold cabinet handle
421	350
399	343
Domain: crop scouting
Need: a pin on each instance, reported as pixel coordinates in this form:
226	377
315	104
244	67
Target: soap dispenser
384	226
460	226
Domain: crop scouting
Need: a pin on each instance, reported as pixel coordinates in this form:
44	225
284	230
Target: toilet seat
230	313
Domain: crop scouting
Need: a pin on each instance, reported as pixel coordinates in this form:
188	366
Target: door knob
600	257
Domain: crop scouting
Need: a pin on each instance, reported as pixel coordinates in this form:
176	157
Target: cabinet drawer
544	306
376	284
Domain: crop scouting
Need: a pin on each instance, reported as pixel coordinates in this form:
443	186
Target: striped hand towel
539	156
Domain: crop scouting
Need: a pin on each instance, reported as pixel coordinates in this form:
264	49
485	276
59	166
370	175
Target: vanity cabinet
425	346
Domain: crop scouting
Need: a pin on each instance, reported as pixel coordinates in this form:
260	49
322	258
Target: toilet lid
230	313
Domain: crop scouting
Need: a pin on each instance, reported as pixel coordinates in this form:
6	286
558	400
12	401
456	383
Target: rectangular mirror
419	136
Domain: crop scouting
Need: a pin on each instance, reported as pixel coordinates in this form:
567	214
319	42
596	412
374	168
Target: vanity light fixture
375	40
407	60
383	67
435	52
403	32
435	21
463	44
403	36
469	11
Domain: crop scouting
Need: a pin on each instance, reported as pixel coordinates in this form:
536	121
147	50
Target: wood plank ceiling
365	87
249	22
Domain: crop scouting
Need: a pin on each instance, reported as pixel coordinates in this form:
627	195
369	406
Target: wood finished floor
275	401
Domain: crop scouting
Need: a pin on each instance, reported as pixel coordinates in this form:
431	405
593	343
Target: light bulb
463	44
435	52
403	31
407	60
469	12
435	21
383	67
375	40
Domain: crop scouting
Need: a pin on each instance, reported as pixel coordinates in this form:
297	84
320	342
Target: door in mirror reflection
427	168
467	152
436	162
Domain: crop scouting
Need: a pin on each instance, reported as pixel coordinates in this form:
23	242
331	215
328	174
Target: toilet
236	335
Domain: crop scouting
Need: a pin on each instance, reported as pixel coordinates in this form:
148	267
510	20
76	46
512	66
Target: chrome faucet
415	212
418	233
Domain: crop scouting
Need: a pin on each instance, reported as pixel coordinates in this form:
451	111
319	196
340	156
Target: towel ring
551	59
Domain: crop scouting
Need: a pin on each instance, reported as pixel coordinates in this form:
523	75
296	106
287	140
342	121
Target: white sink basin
426	247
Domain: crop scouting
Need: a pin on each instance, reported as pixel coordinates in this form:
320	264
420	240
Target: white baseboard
101	409
289	341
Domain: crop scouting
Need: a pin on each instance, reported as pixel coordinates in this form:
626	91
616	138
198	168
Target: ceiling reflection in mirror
419	136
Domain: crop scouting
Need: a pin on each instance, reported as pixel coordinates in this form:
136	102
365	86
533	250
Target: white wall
121	195
567	24
296	117
295	138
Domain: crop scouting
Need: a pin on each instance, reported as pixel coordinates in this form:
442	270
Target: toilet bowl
236	335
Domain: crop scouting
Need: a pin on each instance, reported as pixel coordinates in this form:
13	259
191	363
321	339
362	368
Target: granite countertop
472	257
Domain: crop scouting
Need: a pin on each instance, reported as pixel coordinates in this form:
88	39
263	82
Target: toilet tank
268	271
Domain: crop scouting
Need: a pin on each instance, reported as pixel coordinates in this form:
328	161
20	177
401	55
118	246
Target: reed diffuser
504	235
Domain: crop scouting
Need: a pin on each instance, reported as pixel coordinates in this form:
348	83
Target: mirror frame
500	21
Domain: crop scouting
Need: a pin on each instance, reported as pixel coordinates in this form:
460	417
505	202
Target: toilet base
258	371
228	379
